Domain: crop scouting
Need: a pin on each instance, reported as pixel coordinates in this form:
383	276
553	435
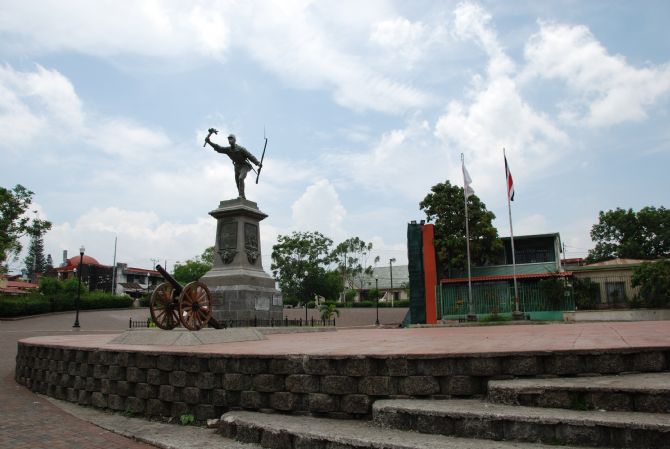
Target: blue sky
104	106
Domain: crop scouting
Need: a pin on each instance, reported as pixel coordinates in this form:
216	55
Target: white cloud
141	235
299	41
319	208
41	108
120	137
496	116
401	38
527	225
38	102
472	22
405	162
105	28
605	89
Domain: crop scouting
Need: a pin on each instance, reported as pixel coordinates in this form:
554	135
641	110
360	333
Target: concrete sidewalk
32	422
158	434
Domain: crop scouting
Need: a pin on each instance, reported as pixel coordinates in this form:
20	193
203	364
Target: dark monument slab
241	289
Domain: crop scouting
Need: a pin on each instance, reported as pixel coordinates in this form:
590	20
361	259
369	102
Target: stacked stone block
207	385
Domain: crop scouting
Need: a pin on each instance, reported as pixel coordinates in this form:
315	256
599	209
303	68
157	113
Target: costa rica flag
510	182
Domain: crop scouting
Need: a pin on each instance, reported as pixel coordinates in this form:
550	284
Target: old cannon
171	304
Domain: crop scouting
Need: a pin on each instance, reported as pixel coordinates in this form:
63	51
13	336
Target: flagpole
471	306
516	314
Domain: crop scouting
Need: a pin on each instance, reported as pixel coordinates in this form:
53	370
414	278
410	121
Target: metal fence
255	322
582	291
498	298
604	292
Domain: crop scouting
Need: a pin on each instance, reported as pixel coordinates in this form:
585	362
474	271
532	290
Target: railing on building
498	299
579	292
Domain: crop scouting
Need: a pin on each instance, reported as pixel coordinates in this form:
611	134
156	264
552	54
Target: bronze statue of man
240	157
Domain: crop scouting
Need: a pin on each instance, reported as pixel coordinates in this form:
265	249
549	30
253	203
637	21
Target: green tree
374	294
624	233
299	263
49	265
208	255
15	223
553	290
587	293
34	260
330	285
445	207
328	310
352	257
194	269
653	278
51	286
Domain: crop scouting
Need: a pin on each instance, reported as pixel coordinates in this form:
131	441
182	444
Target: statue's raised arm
241	158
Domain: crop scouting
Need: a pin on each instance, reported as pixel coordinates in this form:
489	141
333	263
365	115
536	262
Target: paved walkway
505	339
29	421
32	421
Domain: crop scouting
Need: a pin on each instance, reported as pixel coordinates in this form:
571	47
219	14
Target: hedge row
34	304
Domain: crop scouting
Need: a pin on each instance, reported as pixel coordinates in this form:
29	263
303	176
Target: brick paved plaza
31	421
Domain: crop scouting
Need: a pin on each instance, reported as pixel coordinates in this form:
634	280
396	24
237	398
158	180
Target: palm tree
327	311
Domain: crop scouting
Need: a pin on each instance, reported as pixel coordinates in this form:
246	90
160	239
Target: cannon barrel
176	285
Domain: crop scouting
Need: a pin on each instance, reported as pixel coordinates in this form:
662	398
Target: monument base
241	290
243	302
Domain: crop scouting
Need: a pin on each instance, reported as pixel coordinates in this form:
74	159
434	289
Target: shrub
587	293
36	303
349	295
290	302
145	300
50	286
553	290
12	306
494	318
102	300
653	278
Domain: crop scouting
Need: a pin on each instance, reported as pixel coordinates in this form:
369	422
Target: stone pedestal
241	289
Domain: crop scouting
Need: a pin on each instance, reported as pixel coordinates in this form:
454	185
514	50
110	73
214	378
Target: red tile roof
14	291
19	284
506	277
142	271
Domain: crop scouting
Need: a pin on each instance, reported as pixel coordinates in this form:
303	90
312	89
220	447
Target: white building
135	281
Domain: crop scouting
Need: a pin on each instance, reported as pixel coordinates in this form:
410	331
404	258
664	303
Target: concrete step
303	432
472	418
649	392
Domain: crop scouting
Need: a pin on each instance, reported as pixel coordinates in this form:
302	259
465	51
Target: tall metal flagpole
516	313
466	188
114	270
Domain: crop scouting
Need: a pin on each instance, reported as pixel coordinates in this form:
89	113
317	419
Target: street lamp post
391	273
306	300
377	293
81	261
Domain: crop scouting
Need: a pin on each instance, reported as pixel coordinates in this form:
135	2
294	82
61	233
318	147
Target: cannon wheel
163	307
195	306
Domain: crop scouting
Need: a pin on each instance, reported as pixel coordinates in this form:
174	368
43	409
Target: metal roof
506	277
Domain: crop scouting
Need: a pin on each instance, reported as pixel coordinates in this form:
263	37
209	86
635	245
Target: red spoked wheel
195	306
163	307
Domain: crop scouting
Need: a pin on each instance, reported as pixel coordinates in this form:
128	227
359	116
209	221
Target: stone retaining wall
164	384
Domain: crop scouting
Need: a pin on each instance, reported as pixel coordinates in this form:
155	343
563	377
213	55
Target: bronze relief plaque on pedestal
227	240
251	242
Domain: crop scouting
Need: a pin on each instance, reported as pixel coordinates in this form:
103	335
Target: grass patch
494	318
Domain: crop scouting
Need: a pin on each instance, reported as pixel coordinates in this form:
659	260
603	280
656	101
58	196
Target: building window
616	292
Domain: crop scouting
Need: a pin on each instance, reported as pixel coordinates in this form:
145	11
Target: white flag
467	189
